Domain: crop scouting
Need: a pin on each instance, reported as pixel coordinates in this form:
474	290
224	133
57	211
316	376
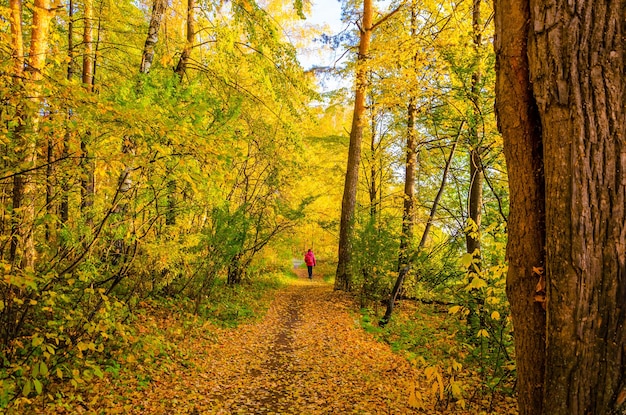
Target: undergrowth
461	372
148	340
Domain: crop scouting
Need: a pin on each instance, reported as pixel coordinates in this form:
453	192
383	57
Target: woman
309	260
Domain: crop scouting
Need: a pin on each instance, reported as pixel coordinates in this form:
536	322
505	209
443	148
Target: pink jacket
309	259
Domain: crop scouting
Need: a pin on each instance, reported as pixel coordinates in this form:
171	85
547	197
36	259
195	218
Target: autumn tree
343	278
560	101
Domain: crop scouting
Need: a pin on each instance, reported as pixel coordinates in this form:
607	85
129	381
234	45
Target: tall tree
343	279
24	188
475	199
573	83
88	167
181	67
408	211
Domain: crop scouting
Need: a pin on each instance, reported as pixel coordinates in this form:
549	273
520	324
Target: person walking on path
309	260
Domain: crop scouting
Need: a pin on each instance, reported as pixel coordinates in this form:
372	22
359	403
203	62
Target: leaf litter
307	355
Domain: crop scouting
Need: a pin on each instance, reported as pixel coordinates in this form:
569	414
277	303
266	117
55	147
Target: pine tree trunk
343	279
24	187
87	163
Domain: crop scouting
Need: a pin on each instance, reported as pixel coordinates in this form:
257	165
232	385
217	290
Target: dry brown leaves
308	355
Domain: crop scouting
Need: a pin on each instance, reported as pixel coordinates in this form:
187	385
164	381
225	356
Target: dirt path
307	356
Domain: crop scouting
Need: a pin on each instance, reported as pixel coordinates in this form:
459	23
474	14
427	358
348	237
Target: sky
326	15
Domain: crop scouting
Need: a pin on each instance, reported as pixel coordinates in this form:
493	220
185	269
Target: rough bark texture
576	55
343	280
519	124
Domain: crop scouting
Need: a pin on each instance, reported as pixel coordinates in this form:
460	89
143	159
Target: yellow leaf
457	392
466	260
454	309
415	400
483	333
495	315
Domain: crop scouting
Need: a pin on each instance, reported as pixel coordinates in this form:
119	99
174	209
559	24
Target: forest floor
307	355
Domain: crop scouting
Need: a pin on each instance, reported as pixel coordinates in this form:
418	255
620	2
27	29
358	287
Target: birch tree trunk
158	8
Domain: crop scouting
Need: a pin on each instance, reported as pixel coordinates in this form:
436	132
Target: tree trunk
64	206
181	70
343	279
373	185
406	268
475	196
17	54
181	67
475	199
24	188
576	56
87	163
408	211
147	56
518	121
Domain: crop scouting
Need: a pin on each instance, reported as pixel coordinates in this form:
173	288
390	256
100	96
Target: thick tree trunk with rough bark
343	279
574	71
576	56
519	123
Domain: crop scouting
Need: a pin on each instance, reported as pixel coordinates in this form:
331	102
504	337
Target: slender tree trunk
343	279
181	70
373	185
181	67
408	211
475	199
49	187
17	54
64	207
576	56
158	8
406	267
87	163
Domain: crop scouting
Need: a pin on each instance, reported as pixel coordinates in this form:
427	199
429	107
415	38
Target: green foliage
375	258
